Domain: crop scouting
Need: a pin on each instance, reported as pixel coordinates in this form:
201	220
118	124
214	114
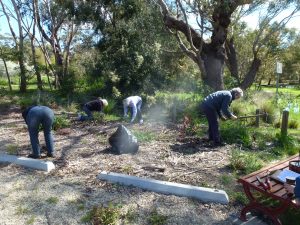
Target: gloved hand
223	118
233	117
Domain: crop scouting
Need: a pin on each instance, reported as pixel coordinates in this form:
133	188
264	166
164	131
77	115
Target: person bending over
35	116
92	106
216	105
135	104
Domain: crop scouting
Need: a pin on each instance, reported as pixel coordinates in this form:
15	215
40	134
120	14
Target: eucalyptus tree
11	11
7	53
207	40
57	27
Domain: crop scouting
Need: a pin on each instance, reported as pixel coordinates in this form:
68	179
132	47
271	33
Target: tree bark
7	74
250	76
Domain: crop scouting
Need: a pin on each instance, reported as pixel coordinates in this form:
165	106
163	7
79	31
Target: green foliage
156	218
12	149
144	136
227	179
287	143
103	215
293	124
98	117
270	109
238	197
52	200
61	121
130	216
245	162
30	220
235	132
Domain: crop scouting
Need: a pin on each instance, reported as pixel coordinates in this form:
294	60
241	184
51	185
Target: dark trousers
213	124
40	115
88	115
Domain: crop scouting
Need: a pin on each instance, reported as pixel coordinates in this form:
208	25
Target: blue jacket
220	101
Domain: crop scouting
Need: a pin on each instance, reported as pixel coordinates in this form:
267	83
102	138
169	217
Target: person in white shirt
135	104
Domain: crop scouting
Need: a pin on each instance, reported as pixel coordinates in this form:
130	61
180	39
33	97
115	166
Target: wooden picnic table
277	192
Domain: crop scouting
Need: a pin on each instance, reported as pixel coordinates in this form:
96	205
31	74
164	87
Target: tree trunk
7	74
250	76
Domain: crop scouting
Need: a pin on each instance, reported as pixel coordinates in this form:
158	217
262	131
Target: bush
61	121
287	143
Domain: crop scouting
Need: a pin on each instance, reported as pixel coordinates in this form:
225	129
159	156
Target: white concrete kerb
201	193
27	162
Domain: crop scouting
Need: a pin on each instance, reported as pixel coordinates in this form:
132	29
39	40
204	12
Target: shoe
33	156
50	155
219	144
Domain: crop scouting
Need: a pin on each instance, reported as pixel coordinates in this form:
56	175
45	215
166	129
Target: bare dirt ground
64	195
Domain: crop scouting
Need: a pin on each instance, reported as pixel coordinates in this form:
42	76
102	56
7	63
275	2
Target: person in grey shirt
135	104
216	105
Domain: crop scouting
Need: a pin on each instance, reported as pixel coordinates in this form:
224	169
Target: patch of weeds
127	169
102	215
12	149
204	184
293	124
31	220
22	210
244	162
79	203
235	133
98	117
130	216
156	218
144	136
226	179
52	200
61	121
288	143
111	117
238	197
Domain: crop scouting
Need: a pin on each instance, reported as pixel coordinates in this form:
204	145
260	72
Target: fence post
285	122
257	118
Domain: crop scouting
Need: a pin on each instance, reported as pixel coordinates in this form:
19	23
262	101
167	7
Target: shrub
61	121
270	109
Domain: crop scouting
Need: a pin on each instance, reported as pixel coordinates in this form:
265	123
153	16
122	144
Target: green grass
156	218
52	200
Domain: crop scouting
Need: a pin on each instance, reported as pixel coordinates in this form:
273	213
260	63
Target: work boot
33	156
50	155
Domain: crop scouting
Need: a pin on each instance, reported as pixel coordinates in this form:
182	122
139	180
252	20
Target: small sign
278	67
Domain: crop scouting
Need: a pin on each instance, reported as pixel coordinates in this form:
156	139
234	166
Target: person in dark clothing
95	105
35	116
216	105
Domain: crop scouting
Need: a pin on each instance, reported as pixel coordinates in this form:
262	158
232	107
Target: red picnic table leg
271	212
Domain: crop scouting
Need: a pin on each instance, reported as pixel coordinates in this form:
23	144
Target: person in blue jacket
216	105
35	116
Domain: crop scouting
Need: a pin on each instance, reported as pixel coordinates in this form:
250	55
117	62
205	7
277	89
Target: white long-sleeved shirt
131	101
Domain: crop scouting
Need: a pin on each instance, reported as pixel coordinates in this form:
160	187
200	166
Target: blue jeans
40	115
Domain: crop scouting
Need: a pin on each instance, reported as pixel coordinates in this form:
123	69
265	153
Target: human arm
225	108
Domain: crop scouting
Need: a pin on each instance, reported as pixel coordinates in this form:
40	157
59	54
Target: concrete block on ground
28	162
201	193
